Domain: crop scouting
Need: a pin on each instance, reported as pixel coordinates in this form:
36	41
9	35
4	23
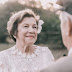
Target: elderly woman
23	27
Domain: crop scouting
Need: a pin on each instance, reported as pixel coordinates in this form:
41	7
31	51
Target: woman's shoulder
43	48
4	56
46	52
2	53
6	52
3	60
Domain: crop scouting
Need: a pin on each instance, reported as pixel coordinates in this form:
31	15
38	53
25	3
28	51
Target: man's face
66	29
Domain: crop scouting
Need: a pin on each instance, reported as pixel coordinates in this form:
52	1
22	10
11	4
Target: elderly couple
24	56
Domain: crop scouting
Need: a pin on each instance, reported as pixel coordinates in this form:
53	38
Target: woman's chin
30	42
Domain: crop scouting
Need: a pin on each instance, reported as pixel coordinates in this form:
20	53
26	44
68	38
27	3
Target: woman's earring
14	36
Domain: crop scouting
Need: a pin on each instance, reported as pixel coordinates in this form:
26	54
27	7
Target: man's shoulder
63	64
66	58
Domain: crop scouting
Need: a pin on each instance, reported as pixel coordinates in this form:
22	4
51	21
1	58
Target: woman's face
27	30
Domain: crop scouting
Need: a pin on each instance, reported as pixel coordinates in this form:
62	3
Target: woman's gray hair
16	18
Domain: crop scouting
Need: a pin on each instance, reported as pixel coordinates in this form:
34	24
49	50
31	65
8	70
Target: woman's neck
24	48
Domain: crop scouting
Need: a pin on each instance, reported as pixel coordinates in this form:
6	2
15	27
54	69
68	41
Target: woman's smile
30	36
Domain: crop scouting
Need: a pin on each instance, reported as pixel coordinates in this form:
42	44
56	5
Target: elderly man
67	4
63	64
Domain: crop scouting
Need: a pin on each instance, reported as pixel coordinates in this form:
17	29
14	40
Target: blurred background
50	35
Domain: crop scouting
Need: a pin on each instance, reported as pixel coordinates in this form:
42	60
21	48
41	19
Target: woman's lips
30	36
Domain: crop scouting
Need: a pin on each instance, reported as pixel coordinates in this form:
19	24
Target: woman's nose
31	30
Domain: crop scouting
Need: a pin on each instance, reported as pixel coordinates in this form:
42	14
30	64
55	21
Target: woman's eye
26	26
35	27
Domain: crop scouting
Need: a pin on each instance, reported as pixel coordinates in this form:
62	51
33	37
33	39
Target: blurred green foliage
51	28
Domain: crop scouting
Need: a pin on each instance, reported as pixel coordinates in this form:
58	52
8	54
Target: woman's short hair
16	18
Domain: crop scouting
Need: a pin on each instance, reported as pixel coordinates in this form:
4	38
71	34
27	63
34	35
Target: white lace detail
15	61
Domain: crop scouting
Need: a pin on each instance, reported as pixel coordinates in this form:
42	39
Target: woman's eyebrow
29	24
25	24
35	24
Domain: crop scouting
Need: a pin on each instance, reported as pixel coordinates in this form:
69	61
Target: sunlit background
3	1
46	4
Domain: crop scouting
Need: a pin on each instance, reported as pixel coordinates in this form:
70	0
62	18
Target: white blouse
12	60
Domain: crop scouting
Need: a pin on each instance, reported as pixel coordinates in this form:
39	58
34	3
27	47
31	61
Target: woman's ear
15	34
